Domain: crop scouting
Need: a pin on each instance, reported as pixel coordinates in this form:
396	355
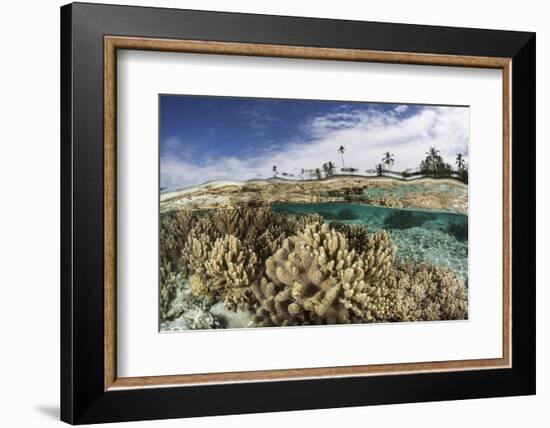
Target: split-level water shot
290	212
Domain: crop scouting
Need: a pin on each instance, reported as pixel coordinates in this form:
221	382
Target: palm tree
318	173
433	160
328	167
341	151
379	169
460	162
433	155
388	159
433	152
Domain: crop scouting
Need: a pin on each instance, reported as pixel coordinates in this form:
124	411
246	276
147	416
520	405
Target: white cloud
401	108
366	135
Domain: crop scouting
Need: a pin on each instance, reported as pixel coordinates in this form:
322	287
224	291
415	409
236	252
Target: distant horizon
205	138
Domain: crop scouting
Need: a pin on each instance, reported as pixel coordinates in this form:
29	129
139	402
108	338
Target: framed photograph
274	213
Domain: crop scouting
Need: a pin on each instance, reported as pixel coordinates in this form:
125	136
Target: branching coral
296	270
173	233
356	235
168	289
303	220
195	252
230	268
426	292
244	223
315	279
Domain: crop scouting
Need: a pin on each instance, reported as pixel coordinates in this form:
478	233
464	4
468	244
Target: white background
29	226
143	352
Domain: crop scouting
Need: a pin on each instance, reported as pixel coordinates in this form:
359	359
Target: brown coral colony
298	270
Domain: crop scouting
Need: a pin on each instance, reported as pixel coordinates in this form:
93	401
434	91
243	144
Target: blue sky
206	138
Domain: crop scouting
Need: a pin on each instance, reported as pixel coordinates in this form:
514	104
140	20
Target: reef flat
293	264
447	195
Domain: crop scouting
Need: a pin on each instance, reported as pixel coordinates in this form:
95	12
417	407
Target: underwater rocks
347	214
183	300
193	319
230	268
459	230
241	318
403	219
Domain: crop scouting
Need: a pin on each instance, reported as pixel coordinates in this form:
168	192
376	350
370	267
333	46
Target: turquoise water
402	190
439	238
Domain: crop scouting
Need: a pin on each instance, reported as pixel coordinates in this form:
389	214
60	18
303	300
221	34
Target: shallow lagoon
435	238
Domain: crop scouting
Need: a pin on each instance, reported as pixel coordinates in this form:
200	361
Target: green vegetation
318	173
328	168
388	159
433	165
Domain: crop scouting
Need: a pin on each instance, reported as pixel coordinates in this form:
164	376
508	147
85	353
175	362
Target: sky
204	138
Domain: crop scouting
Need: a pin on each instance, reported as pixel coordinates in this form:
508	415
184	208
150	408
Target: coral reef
199	319
195	318
244	223
241	318
173	233
357	237
356	234
440	194
251	266
195	252
181	299
315	279
168	289
229	270
222	270
425	292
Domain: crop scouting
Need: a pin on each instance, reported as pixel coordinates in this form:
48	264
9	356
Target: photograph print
290	212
